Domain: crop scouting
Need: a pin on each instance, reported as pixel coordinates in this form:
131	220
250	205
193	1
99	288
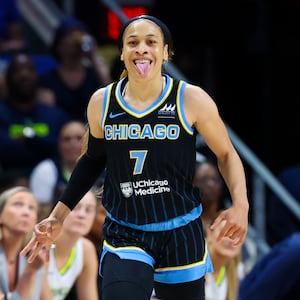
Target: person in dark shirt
80	68
281	220
276	275
12	37
29	130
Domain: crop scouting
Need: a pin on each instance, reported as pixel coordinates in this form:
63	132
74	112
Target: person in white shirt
73	257
20	280
223	283
50	176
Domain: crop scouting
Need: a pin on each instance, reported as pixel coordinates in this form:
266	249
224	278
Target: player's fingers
217	222
237	241
35	252
232	232
28	247
225	231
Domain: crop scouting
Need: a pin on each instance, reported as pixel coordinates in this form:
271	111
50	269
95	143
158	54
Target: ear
121	57
166	54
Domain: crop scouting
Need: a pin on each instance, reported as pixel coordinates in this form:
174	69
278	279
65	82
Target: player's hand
44	235
236	225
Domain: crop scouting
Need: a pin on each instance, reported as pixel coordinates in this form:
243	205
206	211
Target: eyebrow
148	35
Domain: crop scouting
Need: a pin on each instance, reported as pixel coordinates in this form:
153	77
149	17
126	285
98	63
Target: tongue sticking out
143	68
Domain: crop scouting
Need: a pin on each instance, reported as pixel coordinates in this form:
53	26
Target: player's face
143	50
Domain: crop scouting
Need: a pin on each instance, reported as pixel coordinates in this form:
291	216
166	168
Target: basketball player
142	128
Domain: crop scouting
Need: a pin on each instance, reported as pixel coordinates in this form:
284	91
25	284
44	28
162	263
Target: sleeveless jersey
61	281
150	157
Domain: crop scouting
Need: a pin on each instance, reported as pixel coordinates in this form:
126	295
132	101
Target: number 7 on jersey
139	156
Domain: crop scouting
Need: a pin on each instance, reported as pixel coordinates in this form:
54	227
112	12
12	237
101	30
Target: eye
18	204
152	42
132	43
90	209
214	180
33	207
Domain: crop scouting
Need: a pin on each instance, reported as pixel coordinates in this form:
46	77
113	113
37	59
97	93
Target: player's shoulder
99	94
195	95
194	90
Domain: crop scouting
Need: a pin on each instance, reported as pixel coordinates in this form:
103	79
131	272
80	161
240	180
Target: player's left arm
202	113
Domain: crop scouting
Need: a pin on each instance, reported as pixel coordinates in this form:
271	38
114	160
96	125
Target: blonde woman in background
223	283
18	279
73	257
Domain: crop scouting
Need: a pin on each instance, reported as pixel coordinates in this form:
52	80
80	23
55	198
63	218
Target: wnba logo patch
126	188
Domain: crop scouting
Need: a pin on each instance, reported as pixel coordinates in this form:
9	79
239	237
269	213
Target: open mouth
143	66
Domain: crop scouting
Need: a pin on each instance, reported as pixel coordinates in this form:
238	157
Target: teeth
144	61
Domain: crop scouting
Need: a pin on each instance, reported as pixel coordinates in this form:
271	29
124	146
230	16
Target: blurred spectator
281	220
80	70
74	259
214	194
95	234
28	129
12	178
2	80
276	275
2	87
215	197
223	283
19	279
49	177
116	68
12	38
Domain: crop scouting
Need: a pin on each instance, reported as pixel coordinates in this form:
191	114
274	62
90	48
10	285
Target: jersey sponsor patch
144	187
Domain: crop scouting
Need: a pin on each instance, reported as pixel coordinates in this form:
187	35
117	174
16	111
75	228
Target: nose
27	211
141	48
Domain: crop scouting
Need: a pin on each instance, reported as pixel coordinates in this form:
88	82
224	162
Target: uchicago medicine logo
144	187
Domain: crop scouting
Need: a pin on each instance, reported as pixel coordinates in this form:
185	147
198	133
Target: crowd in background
42	123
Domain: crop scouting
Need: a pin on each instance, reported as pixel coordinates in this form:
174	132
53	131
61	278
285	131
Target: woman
223	283
208	179
49	177
146	140
19	280
73	259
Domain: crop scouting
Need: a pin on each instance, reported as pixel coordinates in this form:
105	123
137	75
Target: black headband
165	30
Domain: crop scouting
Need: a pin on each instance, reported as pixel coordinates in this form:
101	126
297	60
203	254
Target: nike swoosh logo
112	116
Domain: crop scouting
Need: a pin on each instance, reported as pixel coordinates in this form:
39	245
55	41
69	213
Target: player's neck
140	95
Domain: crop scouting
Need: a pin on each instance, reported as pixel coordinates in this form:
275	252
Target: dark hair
163	27
66	26
225	195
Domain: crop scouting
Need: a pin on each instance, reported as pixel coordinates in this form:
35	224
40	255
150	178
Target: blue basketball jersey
151	157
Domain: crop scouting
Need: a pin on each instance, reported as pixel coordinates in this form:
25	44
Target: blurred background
244	53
